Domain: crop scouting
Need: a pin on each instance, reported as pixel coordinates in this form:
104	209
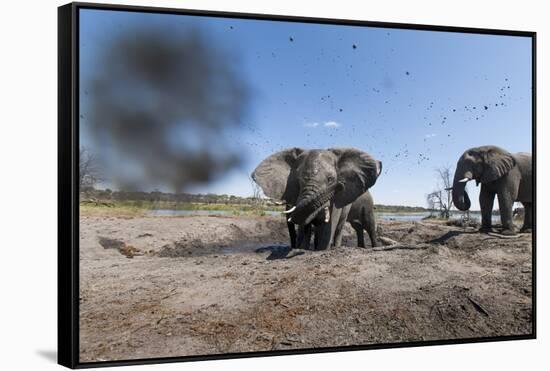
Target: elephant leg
292	233
315	241
325	231
304	236
360	236
308	230
486	201
527	218
370	226
339	230
338	233
323	234
506	205
300	237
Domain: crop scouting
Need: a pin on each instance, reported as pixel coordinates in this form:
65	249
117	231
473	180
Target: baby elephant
361	216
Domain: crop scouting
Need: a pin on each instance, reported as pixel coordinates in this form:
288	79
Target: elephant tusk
289	220
327	215
289	210
464	180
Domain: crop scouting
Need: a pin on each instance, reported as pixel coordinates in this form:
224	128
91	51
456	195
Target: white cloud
327	124
332	124
428	136
311	124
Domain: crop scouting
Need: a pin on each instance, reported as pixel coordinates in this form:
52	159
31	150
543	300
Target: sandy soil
175	286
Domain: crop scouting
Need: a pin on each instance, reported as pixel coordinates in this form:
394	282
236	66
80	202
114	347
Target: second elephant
361	217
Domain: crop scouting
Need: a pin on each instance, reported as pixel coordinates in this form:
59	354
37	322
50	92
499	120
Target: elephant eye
330	178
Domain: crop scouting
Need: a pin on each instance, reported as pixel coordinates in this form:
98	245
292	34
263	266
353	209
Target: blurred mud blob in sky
162	103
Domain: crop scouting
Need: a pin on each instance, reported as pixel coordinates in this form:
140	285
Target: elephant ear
276	175
496	163
357	172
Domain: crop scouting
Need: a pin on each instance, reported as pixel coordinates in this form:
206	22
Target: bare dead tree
441	198
430	200
435	199
88	169
445	176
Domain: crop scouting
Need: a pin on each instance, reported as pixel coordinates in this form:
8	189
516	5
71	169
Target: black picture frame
68	198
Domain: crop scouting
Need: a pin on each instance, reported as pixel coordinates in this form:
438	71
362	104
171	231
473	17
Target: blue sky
413	99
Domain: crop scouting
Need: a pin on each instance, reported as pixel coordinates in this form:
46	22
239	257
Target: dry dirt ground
176	286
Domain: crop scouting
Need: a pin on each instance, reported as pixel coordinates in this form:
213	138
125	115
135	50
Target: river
413	216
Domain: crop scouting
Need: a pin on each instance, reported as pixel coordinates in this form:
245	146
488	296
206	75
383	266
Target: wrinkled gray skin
305	231
321	184
501	173
361	217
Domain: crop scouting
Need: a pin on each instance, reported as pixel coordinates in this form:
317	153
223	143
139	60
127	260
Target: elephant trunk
460	196
310	204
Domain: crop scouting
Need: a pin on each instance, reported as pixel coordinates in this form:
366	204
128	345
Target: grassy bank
156	205
140	208
132	208
397	209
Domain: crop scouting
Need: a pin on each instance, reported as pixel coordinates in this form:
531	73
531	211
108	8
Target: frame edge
67	276
301	19
68	259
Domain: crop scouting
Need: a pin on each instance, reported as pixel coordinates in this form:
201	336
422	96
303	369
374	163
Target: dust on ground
177	286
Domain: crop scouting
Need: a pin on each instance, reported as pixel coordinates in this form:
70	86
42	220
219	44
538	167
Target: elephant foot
526	230
486	230
508	232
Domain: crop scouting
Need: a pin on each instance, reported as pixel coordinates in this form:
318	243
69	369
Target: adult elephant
318	187
501	173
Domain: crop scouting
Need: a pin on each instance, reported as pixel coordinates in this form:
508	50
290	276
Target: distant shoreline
187	201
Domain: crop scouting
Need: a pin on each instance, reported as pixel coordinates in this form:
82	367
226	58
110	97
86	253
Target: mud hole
207	285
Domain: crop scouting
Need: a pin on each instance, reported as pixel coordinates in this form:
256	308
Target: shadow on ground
447	236
279	252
